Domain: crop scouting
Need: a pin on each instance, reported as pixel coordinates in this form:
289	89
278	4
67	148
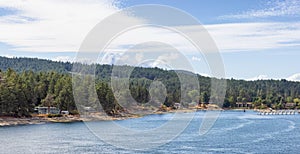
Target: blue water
233	132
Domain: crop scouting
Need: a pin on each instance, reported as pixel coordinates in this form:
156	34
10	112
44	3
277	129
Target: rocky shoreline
12	121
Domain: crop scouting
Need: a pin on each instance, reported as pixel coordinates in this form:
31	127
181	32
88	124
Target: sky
257	39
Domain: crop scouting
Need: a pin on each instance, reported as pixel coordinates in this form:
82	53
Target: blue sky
206	11
258	39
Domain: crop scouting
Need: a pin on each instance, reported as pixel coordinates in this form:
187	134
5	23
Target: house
46	110
290	105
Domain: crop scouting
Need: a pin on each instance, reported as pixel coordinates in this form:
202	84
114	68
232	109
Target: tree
194	95
289	99
205	98
297	101
48	101
34	82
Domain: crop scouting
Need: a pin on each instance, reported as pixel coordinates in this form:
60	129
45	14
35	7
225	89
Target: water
234	132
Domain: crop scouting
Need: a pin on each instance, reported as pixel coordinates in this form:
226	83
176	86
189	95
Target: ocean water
233	132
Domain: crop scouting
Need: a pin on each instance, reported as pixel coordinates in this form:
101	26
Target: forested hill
50	81
34	64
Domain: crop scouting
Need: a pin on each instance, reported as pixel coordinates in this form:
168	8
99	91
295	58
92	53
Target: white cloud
255	36
63	59
194	58
150	39
259	77
274	9
111	58
51	25
56	26
228	37
164	59
204	74
9	56
295	77
139	57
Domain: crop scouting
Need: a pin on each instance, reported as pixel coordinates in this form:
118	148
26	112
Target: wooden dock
277	112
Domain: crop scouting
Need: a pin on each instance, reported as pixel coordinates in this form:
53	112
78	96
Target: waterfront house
290	105
46	110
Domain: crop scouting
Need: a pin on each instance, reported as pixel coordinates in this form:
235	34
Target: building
243	104
177	105
65	112
290	105
46	110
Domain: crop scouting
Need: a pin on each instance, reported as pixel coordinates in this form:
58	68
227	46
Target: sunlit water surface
233	132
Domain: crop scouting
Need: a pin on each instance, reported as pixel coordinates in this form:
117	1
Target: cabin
46	110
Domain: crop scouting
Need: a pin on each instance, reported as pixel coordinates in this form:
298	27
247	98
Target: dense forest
26	83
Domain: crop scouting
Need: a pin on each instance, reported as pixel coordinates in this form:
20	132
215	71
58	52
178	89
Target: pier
278	112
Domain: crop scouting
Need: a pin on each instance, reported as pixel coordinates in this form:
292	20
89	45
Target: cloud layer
51	25
233	37
294	77
60	26
255	36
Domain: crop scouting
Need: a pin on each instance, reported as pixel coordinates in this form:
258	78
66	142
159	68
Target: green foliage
35	82
34	64
297	101
205	97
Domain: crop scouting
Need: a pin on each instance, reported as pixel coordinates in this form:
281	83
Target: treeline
263	93
34	64
20	93
34	82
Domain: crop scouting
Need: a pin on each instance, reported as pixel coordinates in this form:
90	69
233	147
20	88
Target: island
30	84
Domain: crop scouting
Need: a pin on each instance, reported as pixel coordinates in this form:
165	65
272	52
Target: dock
278	112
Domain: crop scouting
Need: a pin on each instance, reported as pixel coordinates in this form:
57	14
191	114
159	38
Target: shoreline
12	121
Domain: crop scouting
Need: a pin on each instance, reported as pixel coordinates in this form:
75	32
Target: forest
26	83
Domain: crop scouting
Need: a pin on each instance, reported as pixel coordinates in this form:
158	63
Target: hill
34	64
31	82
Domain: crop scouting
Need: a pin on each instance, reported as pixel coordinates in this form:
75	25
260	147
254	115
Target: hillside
34	64
46	81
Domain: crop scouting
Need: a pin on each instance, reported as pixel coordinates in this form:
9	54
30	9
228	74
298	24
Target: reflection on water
234	132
